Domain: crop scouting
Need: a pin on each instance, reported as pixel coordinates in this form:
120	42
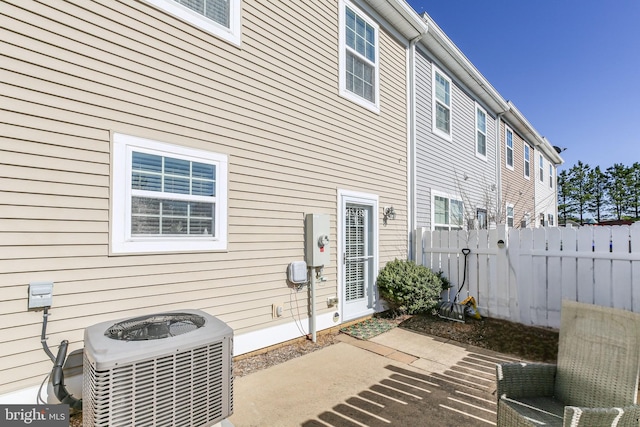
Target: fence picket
585	266
569	263
634	232
483	259
602	267
472	268
497	273
554	277
620	269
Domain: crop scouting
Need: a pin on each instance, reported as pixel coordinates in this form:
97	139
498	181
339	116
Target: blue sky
572	67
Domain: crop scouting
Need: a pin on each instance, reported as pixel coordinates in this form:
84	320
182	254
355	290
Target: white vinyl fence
522	275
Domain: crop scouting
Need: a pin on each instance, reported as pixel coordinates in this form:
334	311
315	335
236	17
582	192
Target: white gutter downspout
411	163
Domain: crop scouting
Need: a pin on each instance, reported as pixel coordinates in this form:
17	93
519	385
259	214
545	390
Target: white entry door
359	257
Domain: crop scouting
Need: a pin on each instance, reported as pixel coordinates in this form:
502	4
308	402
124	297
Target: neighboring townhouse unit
456	147
156	157
547	162
522	196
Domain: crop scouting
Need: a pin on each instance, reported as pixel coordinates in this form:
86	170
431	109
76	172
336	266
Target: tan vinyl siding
74	72
516	189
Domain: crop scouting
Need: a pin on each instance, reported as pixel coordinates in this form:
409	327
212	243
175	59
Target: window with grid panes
219	17
441	104
481	132
358	56
447	213
167	197
509	148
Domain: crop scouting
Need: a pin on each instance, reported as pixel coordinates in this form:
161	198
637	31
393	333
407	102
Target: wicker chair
594	383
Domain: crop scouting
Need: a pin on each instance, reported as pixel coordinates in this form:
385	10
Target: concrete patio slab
399	378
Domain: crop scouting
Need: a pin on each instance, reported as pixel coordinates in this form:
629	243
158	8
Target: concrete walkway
399	378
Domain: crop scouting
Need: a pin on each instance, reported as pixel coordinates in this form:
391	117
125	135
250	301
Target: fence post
418	252
635	266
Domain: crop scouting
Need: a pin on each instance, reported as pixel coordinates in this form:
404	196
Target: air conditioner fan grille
155	326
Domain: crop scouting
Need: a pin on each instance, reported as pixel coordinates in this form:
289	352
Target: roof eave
519	122
401	16
437	42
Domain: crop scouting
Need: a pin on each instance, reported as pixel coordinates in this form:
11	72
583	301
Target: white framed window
550	176
527	161
542	219
541	168
550	219
482	218
447	212
509	147
481	133
218	17
359	57
442	104
167	198
510	215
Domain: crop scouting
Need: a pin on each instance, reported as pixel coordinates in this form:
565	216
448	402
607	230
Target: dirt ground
527	342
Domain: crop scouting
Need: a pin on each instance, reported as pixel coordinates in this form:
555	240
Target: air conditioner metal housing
182	380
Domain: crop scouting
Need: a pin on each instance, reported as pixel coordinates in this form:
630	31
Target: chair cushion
534	411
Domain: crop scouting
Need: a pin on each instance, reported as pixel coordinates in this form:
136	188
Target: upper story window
541	168
527	161
481	133
219	17
447	213
359	63
167	198
510	215
509	147
441	104
550	176
482	218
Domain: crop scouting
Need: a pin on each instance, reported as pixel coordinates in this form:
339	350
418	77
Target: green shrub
410	288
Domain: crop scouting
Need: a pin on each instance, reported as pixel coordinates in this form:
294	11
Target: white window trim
342	59
121	240
541	168
231	34
486	138
434	194
508	130
551	175
525	161
506	213
443	134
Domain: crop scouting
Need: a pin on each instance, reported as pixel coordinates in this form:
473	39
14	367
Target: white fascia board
401	16
441	46
520	122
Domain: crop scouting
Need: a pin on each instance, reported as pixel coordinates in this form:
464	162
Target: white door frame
366	199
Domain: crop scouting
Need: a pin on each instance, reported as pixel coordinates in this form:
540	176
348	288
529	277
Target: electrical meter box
317	240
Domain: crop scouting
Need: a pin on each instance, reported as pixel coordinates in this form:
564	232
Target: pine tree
598	189
579	188
566	207
618	185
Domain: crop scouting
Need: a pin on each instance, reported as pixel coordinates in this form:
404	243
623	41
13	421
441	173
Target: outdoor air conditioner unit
166	369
